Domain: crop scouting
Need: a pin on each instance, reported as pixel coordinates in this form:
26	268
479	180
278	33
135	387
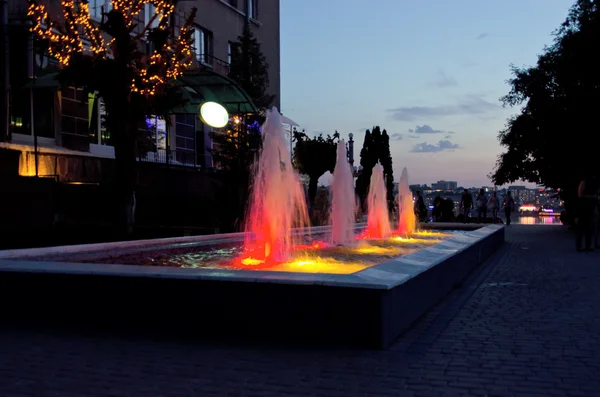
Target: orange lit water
310	257
321	257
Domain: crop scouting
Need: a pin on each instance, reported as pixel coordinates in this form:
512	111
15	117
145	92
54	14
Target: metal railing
185	158
216	64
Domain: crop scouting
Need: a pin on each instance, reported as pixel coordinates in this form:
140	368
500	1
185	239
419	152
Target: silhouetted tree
548	142
368	159
235	147
376	148
234	150
104	58
314	157
250	69
385	158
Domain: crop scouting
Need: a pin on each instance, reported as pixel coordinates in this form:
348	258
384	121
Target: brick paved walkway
527	324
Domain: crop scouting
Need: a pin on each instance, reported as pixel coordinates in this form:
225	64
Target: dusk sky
430	72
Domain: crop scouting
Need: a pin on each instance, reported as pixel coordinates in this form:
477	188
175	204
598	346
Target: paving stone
526	323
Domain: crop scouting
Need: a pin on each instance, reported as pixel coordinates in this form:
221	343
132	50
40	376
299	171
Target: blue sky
430	72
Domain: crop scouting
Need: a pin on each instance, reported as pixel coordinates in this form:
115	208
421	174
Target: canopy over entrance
288	121
204	85
199	85
44	80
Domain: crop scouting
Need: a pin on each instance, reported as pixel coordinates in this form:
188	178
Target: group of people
588	214
483	203
588	210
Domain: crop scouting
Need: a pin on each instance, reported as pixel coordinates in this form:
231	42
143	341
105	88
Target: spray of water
378	217
406	207
343	198
277	202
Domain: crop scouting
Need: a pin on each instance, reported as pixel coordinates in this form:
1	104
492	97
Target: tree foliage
250	69
549	141
234	150
376	149
104	57
314	157
235	147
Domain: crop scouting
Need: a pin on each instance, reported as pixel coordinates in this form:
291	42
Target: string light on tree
81	34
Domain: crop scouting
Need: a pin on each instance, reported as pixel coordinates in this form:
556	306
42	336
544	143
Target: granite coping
173	242
152	244
384	276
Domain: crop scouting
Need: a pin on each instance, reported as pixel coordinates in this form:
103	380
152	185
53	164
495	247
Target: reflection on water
537	220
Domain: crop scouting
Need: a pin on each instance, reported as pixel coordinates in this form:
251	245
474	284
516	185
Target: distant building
515	188
522	194
444	185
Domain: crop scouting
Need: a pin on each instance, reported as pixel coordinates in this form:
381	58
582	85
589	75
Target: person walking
466	204
420	208
597	238
509	206
587	203
482	201
494	204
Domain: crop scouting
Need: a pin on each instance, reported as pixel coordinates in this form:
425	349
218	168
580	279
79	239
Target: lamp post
4	72
32	76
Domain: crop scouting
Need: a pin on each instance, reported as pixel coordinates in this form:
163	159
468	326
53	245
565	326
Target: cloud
469	105
483	36
441	146
396	137
425	129
443	80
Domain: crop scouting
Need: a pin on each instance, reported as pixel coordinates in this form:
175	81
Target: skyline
431	75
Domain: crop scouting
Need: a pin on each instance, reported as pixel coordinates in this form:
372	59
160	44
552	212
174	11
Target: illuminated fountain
343	201
378	217
406	207
276	236
365	289
277	202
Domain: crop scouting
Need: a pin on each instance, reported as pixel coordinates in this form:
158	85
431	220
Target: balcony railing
216	64
185	158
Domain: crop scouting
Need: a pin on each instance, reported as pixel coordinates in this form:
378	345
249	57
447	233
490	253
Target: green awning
48	81
204	85
199	86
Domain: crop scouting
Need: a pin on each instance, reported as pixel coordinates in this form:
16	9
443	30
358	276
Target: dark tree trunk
312	190
123	129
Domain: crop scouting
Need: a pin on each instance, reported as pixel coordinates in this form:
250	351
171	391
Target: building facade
55	127
444	185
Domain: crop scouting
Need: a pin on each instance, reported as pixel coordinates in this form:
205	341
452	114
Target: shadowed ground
527	323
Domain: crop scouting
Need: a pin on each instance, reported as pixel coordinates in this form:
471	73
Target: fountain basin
370	307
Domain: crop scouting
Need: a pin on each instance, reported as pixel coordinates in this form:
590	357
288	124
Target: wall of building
269	36
225	19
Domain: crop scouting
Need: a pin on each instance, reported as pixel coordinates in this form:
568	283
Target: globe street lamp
214	114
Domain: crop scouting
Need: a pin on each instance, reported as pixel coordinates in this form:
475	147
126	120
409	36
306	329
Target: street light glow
214	114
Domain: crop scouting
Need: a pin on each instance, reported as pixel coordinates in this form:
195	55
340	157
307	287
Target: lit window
199	44
149	12
203	45
158	131
95	7
253	9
